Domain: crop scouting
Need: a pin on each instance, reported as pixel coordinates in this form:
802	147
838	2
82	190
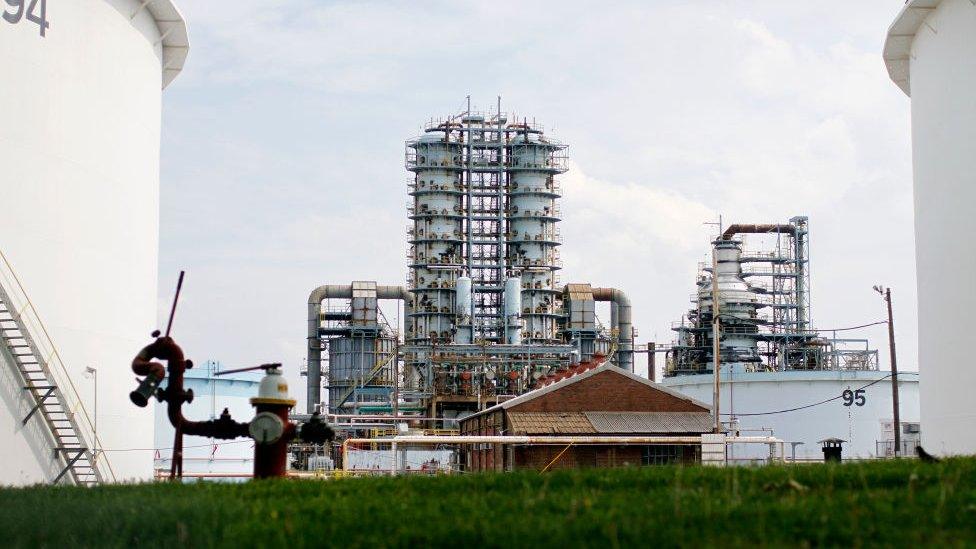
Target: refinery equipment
929	53
80	224
764	310
780	375
484	314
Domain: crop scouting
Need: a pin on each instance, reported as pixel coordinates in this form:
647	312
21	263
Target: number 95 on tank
854	397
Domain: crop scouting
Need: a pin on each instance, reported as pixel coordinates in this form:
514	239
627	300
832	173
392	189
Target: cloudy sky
283	148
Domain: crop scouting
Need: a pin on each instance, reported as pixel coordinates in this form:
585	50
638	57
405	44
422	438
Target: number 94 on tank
29	11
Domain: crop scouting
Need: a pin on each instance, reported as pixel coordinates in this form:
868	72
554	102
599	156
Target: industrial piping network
315	299
620	321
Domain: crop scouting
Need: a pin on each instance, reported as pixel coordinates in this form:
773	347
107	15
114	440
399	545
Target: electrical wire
170	448
852	327
879	380
726	316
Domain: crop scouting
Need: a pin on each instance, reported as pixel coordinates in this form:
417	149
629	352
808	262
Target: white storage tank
81	85
805	407
930	51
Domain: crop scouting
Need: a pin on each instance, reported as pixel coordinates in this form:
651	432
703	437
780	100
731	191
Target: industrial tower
485	315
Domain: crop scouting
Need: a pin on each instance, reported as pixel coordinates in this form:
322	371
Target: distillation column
436	236
738	306
533	239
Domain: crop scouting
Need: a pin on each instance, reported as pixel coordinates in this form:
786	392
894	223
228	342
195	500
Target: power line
170	448
733	317
852	327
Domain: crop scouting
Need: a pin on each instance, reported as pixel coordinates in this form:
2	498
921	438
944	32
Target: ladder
47	400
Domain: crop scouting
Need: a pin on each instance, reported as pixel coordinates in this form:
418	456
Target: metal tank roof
898	43
173	35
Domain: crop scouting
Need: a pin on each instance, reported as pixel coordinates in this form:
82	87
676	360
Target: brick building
604	401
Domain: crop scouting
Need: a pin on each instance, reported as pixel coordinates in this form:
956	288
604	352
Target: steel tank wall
79	150
942	86
350	359
861	426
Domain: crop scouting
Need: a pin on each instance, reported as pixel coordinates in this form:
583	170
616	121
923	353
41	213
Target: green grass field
894	503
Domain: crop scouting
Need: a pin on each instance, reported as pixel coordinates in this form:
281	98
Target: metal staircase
380	364
51	395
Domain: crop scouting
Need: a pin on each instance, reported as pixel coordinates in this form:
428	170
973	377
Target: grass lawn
891	503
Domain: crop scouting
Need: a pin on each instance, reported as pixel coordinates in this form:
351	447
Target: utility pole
886	294
716	343
716	333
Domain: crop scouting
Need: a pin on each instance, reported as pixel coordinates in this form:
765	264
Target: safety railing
23	308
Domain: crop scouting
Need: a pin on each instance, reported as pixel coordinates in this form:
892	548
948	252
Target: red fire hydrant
270	427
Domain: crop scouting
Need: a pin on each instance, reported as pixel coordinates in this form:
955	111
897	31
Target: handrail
63	378
380	364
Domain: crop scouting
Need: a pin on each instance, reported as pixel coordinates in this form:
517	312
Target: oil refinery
487	356
485	317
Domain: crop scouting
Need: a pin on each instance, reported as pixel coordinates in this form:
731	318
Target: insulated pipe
315	299
620	320
739	228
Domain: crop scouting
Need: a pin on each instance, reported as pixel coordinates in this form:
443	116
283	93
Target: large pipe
315	299
620	321
743	228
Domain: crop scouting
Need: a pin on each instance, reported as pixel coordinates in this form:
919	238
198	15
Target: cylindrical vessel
532	237
513	307
737	307
79	150
463	310
351	363
435	235
929	52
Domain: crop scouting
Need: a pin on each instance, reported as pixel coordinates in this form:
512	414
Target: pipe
620	320
544	439
165	348
739	228
797	229
315	299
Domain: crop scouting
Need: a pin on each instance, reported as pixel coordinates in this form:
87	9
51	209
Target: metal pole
396	378
95	411
894	373
651	362
394	467
716	344
94	373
